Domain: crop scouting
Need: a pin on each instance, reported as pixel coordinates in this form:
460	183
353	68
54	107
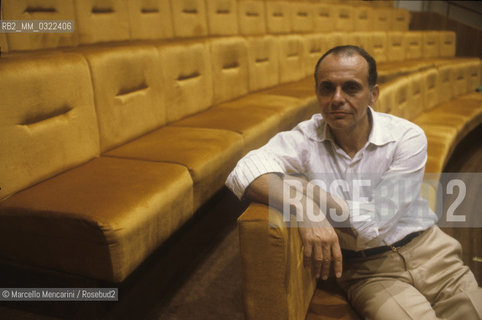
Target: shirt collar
379	134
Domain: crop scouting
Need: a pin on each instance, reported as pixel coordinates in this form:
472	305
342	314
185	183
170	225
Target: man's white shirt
381	183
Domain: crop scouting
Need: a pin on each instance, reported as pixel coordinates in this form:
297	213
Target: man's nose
338	98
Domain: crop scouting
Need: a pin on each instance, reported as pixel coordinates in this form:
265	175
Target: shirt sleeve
395	193
284	153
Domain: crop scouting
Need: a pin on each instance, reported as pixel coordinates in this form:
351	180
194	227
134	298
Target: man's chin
338	123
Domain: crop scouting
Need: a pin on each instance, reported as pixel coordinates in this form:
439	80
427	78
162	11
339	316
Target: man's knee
465	305
390	299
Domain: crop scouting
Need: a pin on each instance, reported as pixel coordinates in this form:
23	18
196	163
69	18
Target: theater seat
208	154
111	214
189	18
150	20
447	43
323	17
251	17
222	17
278	17
301	17
363	17
291	57
100	21
32	10
263	62
344	18
187	78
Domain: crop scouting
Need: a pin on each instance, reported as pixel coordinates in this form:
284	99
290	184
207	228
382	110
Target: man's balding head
348	51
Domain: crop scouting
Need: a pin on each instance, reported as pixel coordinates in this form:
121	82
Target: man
395	263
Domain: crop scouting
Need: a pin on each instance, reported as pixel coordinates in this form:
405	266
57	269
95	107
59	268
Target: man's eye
326	89
351	88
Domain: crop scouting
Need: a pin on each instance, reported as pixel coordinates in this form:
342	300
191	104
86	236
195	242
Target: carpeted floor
213	292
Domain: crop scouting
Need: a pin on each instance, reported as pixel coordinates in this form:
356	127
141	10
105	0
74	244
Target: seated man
388	254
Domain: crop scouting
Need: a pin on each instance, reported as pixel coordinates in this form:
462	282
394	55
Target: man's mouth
338	113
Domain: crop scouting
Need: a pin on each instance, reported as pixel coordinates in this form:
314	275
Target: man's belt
349	254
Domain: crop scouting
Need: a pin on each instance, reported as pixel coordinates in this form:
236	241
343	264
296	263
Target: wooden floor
197	274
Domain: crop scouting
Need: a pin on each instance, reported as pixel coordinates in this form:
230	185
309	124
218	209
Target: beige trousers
425	279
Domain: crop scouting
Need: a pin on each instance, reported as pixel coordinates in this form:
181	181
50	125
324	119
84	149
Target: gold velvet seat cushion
209	154
256	125
303	90
451	120
99	220
440	144
290	110
390	70
463	114
477	96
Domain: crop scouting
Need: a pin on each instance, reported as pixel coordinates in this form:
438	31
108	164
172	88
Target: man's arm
320	240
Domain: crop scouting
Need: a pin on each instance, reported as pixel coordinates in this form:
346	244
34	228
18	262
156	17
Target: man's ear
374	95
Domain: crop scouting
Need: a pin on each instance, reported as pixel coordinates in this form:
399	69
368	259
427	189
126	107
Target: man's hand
321	249
320	241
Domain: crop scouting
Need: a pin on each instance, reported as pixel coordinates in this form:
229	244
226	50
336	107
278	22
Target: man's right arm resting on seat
320	241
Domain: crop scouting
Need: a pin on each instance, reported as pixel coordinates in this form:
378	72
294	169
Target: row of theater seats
113	148
443	102
97	21
410	95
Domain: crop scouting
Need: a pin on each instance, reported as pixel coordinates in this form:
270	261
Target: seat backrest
413	45
39	10
401	97
251	17
377	45
222	17
359	38
400	19
447	44
382	19
430	44
395	46
102	21
150	19
431	90
313	46
445	85
291	57
363	18
188	80
459	79
302	17
47	118
128	92
229	61
334	39
278	17
189	17
416	95
263	62
386	98
323	17
344	18
473	69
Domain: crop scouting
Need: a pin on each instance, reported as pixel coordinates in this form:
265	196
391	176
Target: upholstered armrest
276	285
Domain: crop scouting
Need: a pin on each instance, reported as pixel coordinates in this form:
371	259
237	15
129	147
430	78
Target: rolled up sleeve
282	154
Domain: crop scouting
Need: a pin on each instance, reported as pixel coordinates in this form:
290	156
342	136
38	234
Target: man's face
343	92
